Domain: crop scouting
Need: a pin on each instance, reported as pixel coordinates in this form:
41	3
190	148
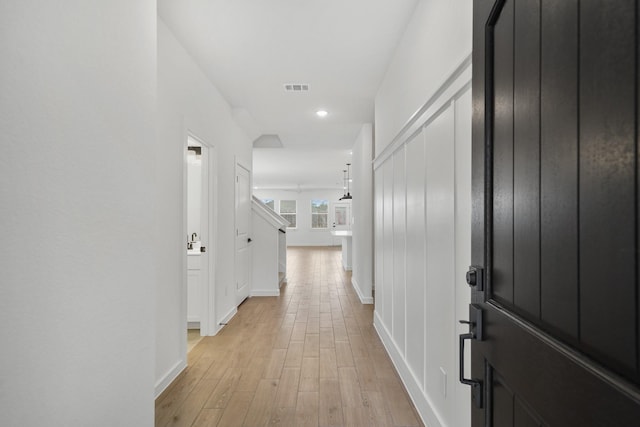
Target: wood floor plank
344	356
288	388
208	418
340	331
188	412
330	403
284	417
289	319
308	357
259	412
328	365
311	345
252	374
171	402
357	416
299	331
378	407
325	320
236	411
310	374
399	404
275	363
326	338
358	347
349	387
307	409
283	337
366	374
352	326
294	355
313	325
225	388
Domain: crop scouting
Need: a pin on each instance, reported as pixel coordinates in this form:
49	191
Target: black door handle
476	386
249	240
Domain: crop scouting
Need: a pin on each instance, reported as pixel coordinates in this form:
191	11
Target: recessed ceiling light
321	113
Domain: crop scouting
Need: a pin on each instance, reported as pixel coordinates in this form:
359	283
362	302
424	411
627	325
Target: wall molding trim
424	407
458	82
264	293
356	287
168	378
221	324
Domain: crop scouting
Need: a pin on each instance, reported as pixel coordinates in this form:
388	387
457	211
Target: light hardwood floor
310	357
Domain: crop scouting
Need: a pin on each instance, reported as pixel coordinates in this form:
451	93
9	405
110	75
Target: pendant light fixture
348	195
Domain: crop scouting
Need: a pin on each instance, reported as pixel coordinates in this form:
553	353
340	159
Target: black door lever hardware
475	278
476	332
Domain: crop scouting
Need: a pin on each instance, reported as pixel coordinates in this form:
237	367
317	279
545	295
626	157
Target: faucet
193	237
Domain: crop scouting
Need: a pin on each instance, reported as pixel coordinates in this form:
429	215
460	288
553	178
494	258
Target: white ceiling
250	48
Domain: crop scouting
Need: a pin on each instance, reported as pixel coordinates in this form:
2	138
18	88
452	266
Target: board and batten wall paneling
415	258
439	370
399	249
378	231
423	239
387	245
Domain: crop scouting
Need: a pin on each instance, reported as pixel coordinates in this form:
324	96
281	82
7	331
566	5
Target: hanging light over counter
348	180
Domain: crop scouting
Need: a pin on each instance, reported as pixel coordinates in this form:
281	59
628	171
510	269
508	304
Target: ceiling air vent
296	87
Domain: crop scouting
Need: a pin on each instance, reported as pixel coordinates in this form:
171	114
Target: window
288	212
319	213
270	203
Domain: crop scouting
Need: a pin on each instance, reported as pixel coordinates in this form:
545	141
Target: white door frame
209	230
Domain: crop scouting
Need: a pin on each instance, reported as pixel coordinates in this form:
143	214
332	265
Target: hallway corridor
310	357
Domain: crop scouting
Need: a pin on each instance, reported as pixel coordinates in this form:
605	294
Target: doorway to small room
198	207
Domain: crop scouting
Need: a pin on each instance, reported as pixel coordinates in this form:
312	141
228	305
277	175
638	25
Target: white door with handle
243	238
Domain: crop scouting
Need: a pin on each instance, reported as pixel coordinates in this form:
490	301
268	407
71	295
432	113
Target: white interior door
341	212
205	237
243	212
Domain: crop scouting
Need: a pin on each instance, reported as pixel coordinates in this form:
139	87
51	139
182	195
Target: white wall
78	85
422	207
362	205
188	102
437	39
304	235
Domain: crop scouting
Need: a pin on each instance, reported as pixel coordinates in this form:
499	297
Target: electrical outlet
443	381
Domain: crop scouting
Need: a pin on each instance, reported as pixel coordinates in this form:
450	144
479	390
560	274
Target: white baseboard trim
169	377
363	299
265	293
226	319
422	403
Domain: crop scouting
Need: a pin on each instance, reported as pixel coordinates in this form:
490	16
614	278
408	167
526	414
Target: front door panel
555	222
